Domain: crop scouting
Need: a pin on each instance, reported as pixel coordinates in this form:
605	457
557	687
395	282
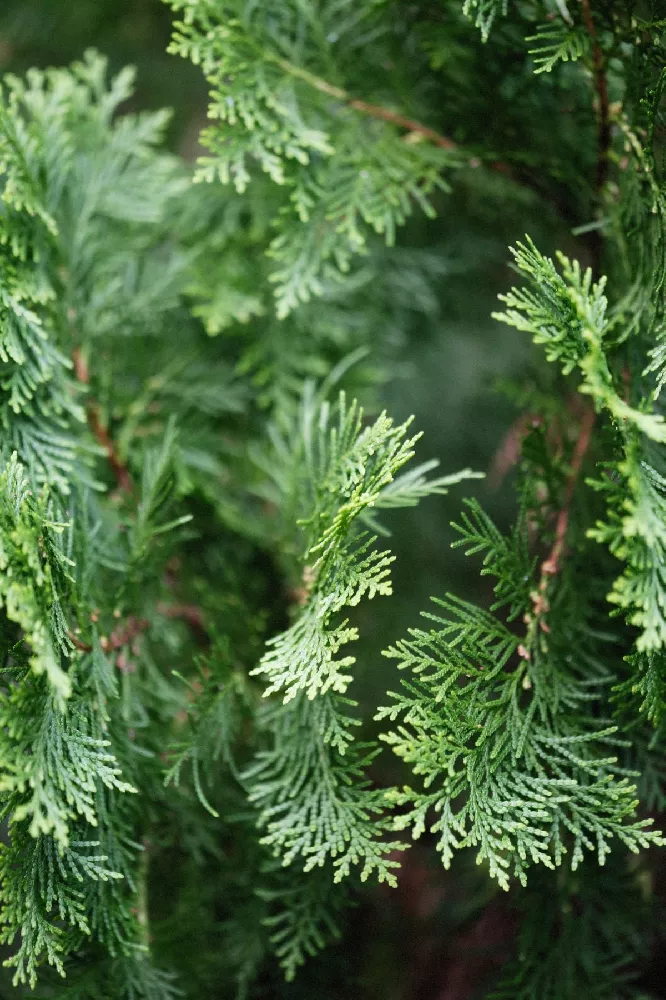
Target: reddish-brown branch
601	87
121	636
133	627
124	634
118	467
507	454
190	613
79	644
377	111
415	128
363	107
551	565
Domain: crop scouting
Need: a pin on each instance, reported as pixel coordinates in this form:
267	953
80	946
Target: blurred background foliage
448	363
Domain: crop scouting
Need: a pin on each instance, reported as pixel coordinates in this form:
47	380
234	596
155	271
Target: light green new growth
568	315
35	575
484	13
314	799
342	470
557	42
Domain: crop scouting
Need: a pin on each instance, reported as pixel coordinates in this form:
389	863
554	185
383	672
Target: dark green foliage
580	933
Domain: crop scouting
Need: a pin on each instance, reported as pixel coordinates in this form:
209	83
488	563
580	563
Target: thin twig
412	126
508	452
364	108
601	86
121	636
551	565
118	467
416	128
132	627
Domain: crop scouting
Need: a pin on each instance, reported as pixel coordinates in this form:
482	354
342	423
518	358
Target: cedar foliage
196	484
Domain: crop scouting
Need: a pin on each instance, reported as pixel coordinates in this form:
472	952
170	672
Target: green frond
306	920
368	186
484	13
497	728
580	932
557	42
313	798
567	314
339	468
507	559
50	774
634	533
45	901
36	575
343	177
309	785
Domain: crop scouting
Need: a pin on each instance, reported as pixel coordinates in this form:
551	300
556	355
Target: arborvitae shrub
196	482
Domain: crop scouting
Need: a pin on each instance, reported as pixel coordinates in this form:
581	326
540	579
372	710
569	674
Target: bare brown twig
191	614
507	454
121	636
363	107
416	128
132	627
551	565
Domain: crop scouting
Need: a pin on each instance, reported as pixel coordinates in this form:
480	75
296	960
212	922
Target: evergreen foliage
306	132
197	484
491	719
309	784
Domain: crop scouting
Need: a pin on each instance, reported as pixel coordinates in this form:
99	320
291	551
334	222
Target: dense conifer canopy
198	481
